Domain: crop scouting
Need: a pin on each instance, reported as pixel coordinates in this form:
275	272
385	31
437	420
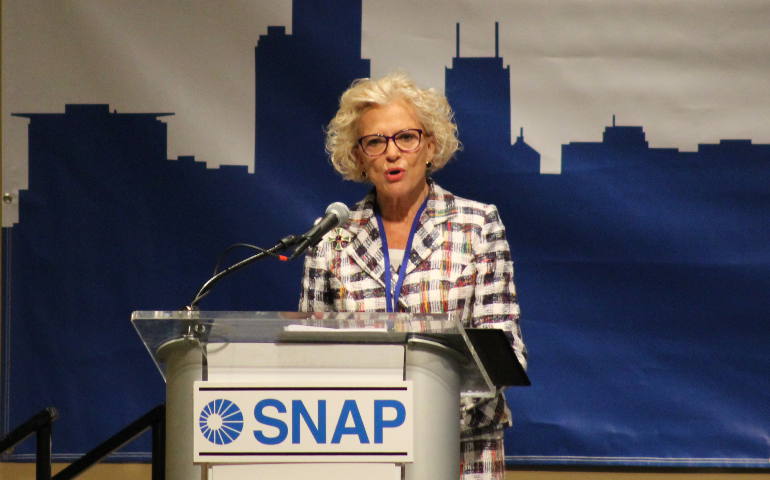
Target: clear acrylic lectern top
158	328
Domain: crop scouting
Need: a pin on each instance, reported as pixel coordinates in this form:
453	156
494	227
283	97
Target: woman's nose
392	152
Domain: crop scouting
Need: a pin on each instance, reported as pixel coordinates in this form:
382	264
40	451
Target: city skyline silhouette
639	243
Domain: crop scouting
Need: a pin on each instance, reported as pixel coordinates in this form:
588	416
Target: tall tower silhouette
479	91
311	66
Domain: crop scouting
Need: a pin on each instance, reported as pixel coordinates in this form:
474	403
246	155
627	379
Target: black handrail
154	419
40	424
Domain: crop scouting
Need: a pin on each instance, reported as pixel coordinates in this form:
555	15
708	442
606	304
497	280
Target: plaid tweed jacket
460	262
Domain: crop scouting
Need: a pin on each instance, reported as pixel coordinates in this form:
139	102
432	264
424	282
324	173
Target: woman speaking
410	245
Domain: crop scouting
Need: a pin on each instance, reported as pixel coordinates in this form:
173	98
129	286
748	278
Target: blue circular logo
221	421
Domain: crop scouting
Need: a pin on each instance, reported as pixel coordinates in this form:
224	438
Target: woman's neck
401	209
397	216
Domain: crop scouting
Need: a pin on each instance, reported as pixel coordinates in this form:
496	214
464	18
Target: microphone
336	214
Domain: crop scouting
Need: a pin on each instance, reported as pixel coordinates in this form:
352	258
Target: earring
363	173
429	165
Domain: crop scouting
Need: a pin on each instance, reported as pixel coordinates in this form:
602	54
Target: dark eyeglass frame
419	131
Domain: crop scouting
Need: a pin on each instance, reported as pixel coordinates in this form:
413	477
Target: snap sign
311	422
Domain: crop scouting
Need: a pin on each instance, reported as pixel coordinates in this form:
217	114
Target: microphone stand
283	244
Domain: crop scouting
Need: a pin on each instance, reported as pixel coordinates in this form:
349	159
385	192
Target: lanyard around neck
391	296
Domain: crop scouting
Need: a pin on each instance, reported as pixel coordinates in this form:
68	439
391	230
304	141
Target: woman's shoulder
464	209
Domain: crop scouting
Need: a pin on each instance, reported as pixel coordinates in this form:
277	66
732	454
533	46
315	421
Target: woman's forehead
397	114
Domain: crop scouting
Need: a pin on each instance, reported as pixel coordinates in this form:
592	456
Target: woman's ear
431	147
360	168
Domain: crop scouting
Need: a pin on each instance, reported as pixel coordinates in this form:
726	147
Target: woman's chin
401	189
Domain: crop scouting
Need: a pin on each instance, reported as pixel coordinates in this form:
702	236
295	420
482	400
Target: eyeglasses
406	141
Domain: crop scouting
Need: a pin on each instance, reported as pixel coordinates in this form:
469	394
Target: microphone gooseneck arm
283	244
336	214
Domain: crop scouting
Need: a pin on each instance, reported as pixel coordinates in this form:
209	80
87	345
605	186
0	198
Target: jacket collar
366	245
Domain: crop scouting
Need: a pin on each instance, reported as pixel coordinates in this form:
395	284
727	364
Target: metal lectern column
435	372
184	365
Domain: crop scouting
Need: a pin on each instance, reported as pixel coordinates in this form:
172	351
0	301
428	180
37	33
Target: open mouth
394	174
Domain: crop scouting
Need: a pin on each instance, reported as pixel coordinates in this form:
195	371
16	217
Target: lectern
276	395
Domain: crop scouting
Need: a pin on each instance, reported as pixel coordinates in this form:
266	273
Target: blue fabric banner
643	272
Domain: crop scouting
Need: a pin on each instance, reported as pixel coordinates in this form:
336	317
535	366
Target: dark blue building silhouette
656	261
309	68
478	88
108	225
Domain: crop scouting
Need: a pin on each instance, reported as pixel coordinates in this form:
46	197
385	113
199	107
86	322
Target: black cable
283	244
242	245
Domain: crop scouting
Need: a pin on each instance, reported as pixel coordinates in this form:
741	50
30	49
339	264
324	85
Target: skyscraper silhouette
299	80
478	88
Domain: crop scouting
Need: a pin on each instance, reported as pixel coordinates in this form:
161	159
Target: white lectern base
259	349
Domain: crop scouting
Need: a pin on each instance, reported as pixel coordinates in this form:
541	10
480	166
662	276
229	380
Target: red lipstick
394	174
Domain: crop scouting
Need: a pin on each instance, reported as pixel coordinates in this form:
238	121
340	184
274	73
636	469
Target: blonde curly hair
431	107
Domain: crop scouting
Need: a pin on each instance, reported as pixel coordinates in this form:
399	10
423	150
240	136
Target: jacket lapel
366	246
441	208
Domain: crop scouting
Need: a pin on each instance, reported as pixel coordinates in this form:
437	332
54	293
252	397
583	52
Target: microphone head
339	210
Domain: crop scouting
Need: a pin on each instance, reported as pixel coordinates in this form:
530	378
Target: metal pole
43	461
159	447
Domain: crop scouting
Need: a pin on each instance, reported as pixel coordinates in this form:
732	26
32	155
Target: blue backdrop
643	273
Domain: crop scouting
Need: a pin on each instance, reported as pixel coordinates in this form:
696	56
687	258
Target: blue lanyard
391	297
